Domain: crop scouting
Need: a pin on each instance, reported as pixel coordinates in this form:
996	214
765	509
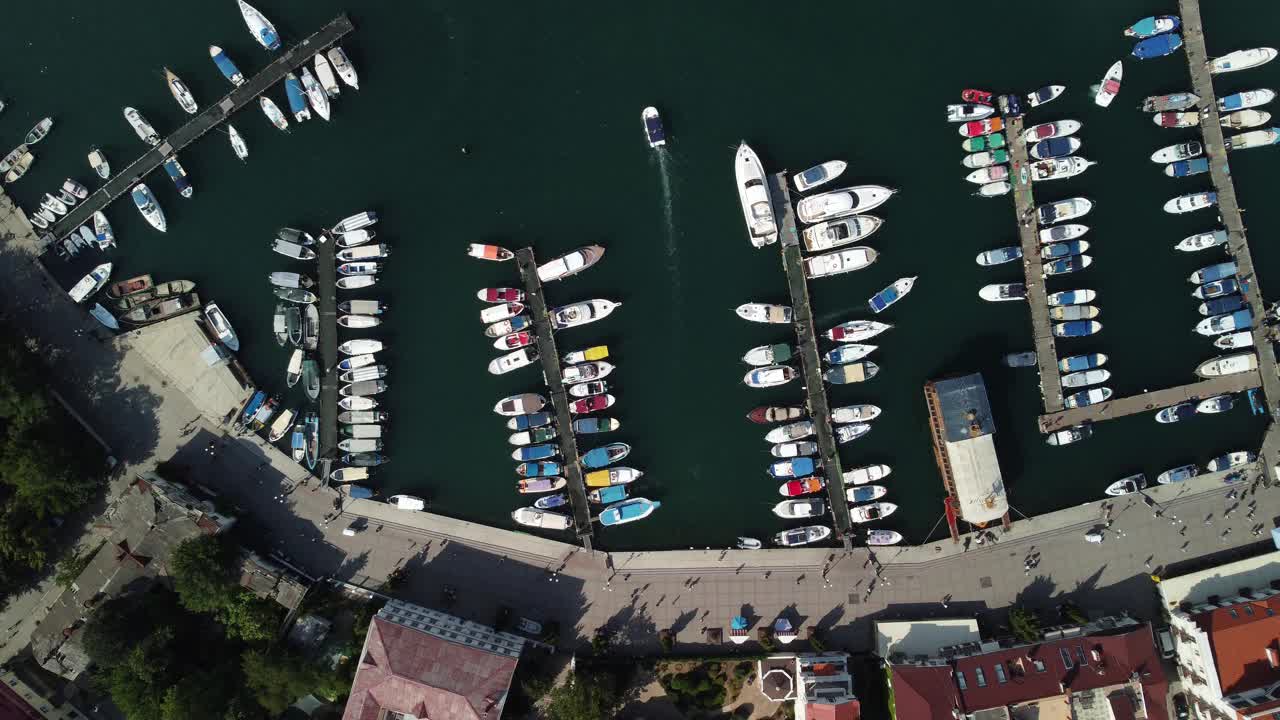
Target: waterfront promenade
195	128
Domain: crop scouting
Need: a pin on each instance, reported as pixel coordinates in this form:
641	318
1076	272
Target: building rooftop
1222	580
923	637
968	439
1245	639
966	413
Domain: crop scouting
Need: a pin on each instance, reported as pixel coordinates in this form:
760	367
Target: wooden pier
1228	207
1149	402
327	291
549	355
810	360
1033	268
207	119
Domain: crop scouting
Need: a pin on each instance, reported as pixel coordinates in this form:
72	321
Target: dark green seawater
548	98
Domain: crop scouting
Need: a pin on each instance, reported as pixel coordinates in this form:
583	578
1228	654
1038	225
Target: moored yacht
260	27
141	126
753	193
839	203
147	205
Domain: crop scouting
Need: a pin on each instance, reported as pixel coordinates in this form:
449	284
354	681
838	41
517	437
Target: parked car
1164	639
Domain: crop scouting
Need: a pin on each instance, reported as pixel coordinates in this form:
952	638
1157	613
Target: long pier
1228	206
204	121
1150	402
1033	268
549	355
327	291
810	361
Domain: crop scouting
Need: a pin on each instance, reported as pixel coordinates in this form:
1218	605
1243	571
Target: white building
818	684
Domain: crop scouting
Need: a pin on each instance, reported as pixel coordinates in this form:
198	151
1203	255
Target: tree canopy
584	696
201	572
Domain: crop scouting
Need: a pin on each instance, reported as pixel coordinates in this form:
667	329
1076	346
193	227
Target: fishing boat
753	194
1213	273
1152	26
1085	378
1073	312
1172	102
839	203
1075	363
851	373
981	127
1176	119
984	159
849	433
1255	138
342	65
800	448
1230	460
364	388
585	372
984	175
596	458
226	66
297	98
654	133
1246	99
1234	341
237	142
1222	305
802	536
19	166
865	493
1085	398
316	95
500	295
768	354
818	175
1242	60
591	404
355	237
281	425
581	313
855	413
361	346
1157	46
1228	365
848	353
1077	328
980	143
154	311
261	28
802	508
272	111
1178	474
140	126
146	204
764	313
291	280
770	376
522	404
1071	297
570	263
489	252
969	111
839	262
764	414
1244	119
506	311
1050	130
1215	405
221	328
871	512
512	361
363	417
541	519
797	467
866	474
91	283
293	250
856	330
1124	486
130	286
1110	85
181	92
38	132
791	431
1070	435
98	161
1187	168
1069	209
999	256
359	268
838	233
298	441
311	433
324	72
802	486
1048	93
1191	202
891	294
1059	168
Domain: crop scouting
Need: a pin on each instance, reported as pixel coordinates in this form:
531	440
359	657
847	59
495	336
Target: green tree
1024	623
137	684
71	566
251	618
201	571
583	697
199	696
278	679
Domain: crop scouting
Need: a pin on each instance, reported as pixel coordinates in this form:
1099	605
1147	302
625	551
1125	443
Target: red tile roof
850	710
1240	643
931	692
13	707
412	672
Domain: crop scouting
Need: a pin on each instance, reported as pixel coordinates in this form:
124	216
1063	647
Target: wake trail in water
669	231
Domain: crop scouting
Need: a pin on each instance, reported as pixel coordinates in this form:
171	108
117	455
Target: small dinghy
1048	93
803	486
768	354
796	509
969	111
1087	397
1085	378
802	536
765	415
838	233
764	313
891	294
851	373
747	543
791	431
1157	46
818	175
871	512
1191	202
489	252
855	414
500	295
1069	435
866	474
771	376
848	353
999	256
1071	297
1242	60
1110	85
857	330
1049	130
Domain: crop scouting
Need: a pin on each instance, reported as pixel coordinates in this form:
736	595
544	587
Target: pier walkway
1150	402
1228	206
207	119
1029	238
550	358
327	290
810	362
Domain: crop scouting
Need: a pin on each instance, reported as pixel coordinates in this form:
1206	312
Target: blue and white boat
549	502
356	492
1055	147
538	469
228	68
1071	297
1152	26
260	27
1217	288
298	443
866	493
1222	305
1187	168
536	452
1157	46
178	175
1076	363
592	425
999	256
1211	273
1178	474
795	467
147	205
1176	413
1230	322
255	403
297	98
1246	99
849	353
1054	251
653	130
1202	241
891	294
1068	265
606	495
605	455
628	511
1077	328
1085	398
530	420
311	429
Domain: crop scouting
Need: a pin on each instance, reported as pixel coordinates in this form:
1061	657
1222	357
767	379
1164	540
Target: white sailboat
260	27
141	126
315	94
237	142
324	72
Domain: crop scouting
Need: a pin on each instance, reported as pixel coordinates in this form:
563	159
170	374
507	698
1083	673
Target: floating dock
549	355
1037	296
810	361
1150	402
207	119
327	291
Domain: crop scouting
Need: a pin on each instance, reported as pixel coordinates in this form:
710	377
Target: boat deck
549	355
1228	207
210	117
1029	237
327	291
810	361
1150	402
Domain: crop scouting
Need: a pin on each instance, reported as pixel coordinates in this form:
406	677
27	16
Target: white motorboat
541	519
1246	99
342	65
1059	168
181	92
753	193
355	222
765	313
237	142
839	261
1253	139
1215	405
1067	436
146	204
801	536
770	376
1202	241
361	346
855	414
19	166
838	233
866	474
1230	460
852	331
1046	94
849	433
1191	202
1234	341
78	191
324	73
260	27
359	268
1084	398
364	252
847	353
494	313
98	161
985	158
355	238
803	448
762	355
355	402
316	95
1069	209
49	202
865	493
1130	484
791	431
272	111
1085	378
839	203
1071	297
1068	313
570	263
1228	365
988	174
1055	129
1180	151
994	189
818	175
1242	60
999	256
359	322
293	371
871	512
91	283
800	508
407	502
581	313
965	112
221	327
1110	85
891	294
1003	292
141	126
513	360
